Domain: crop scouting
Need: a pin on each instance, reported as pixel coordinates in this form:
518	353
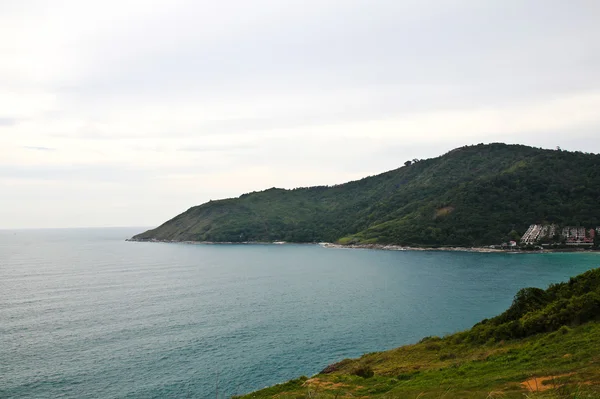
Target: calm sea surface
84	314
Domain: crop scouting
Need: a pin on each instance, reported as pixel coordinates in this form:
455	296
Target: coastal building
531	234
573	232
578	236
571	235
536	232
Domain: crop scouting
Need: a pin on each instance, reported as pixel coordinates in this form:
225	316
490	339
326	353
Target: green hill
474	195
544	346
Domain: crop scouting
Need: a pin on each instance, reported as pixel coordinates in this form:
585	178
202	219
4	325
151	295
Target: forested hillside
474	195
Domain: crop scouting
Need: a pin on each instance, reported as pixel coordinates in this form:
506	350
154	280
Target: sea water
84	314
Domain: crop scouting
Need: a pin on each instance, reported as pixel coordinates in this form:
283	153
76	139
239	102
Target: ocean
85	314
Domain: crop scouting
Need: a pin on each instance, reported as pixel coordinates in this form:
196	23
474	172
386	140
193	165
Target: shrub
407	376
335	366
564	330
535	311
433	338
447	356
364	371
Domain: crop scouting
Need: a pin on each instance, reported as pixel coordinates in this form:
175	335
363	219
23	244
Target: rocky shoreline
454	249
406	248
370	246
206	242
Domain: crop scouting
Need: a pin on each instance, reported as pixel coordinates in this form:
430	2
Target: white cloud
150	107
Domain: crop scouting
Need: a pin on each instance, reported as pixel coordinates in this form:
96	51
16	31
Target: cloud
70	173
38	148
216	148
157	108
8	121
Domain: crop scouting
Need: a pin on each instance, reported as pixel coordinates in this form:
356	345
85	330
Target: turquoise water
84	314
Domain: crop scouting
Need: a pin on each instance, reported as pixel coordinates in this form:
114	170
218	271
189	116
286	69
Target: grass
563	364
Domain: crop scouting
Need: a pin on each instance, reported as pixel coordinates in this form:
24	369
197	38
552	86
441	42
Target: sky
128	112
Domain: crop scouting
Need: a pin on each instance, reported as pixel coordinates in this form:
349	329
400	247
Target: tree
514	235
407	163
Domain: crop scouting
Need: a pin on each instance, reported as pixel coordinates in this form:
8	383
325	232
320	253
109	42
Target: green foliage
364	371
406	376
433	338
535	311
474	195
447	356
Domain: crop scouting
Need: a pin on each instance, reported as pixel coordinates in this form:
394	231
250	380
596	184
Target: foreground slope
473	195
545	345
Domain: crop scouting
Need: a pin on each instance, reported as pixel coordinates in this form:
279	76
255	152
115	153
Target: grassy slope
462	366
472	371
471	196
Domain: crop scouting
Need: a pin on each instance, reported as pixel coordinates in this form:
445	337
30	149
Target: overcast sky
128	112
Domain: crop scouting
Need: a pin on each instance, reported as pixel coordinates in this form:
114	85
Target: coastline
392	247
382	247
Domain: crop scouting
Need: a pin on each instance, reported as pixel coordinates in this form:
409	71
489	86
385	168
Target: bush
335	366
536	311
564	330
364	371
433	338
447	356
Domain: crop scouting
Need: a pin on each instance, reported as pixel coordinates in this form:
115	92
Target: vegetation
474	195
544	346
